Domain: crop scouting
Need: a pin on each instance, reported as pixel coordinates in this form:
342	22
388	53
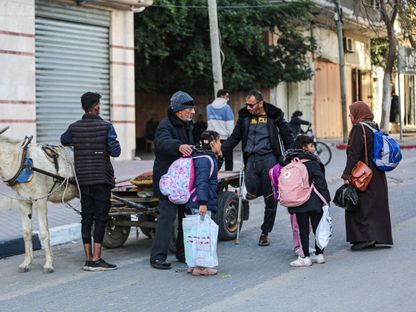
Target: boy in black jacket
311	211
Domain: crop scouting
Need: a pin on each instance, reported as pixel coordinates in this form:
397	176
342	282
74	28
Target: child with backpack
207	159
303	189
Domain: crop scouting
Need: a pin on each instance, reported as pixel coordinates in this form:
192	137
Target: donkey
34	193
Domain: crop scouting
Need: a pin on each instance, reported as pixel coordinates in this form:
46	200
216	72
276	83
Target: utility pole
338	21
215	45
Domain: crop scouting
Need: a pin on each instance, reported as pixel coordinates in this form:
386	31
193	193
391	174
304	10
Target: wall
17	79
17	59
148	104
122	82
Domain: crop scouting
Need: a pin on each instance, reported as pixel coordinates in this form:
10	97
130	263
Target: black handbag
346	197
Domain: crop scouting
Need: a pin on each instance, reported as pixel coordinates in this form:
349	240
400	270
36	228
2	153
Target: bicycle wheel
324	152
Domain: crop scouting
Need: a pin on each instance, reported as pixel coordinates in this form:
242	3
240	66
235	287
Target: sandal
204	271
264	240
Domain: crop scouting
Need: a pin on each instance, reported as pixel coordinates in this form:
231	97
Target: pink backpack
274	174
294	188
178	182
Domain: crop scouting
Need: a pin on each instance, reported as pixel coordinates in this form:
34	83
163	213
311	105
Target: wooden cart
133	205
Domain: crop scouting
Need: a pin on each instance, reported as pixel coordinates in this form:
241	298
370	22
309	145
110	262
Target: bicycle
322	149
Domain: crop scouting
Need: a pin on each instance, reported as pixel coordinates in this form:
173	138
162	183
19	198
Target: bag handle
365	144
319	194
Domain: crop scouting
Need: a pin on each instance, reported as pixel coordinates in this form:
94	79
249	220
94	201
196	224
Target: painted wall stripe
121	63
124	121
16	102
121	47
17	52
17	121
12	33
123	105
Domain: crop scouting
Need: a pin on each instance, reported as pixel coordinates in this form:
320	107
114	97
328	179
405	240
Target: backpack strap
211	171
365	143
369	127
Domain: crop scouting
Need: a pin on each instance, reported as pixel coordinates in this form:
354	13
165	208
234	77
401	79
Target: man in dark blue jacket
264	134
94	141
173	139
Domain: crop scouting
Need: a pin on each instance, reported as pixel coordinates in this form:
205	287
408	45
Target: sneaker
317	258
87	265
301	262
101	265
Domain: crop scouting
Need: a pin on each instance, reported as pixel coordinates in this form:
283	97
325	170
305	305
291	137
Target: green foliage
379	51
173	45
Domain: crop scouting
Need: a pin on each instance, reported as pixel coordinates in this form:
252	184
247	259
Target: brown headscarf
360	112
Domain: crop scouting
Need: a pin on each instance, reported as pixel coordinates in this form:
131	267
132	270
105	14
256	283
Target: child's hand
203	210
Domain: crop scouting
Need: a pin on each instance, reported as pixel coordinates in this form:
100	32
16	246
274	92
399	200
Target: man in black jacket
94	141
173	139
265	135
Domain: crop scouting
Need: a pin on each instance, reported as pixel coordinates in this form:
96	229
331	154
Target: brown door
327	106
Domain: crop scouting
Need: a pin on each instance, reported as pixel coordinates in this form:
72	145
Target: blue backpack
387	154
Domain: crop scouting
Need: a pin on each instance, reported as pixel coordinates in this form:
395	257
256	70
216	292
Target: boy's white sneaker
301	262
317	258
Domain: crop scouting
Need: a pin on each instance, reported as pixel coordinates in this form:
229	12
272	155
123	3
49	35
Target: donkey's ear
4	129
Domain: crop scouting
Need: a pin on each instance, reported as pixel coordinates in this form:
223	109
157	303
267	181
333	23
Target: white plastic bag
324	230
200	236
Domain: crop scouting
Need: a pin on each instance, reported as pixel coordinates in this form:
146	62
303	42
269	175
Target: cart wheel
149	232
226	216
115	235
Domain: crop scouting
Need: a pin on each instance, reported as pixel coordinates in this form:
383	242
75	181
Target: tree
172	46
384	50
407	19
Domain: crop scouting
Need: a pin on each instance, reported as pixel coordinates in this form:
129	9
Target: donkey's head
9	153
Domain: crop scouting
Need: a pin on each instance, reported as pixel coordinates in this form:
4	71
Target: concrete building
320	97
51	52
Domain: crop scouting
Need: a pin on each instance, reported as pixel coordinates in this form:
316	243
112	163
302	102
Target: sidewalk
408	141
64	223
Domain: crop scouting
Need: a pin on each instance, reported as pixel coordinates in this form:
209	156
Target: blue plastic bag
200	236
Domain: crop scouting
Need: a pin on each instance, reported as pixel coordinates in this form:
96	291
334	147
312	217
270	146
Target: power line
225	7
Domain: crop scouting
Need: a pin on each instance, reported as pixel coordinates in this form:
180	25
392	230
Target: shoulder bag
361	174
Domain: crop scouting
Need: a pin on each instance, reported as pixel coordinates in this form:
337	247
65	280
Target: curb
344	146
58	235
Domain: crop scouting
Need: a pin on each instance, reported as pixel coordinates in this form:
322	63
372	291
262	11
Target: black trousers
258	183
95	204
164	229
303	223
228	159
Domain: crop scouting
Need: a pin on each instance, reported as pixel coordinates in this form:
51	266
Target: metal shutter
72	57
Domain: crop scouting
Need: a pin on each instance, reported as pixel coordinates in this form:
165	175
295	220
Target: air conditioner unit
348	45
134	5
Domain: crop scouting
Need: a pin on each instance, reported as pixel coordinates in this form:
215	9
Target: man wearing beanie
173	139
94	141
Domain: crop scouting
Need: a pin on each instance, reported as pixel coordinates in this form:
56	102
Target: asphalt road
251	278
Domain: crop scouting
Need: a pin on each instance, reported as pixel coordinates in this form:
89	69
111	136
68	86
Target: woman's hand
203	210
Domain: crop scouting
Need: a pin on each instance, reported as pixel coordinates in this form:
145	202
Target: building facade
320	98
51	52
